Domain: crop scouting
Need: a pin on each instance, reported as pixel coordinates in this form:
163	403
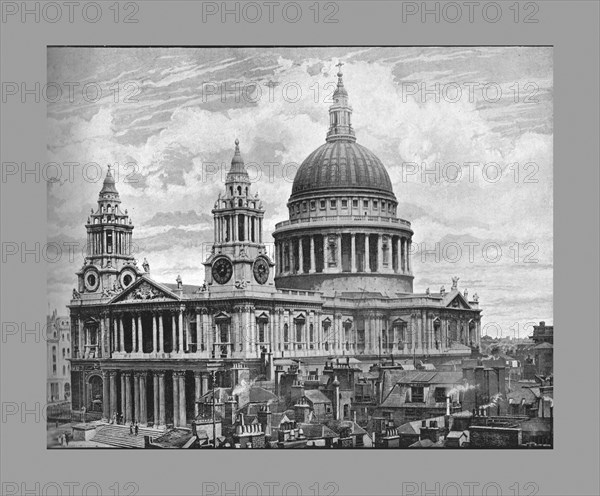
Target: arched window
286	337
239	190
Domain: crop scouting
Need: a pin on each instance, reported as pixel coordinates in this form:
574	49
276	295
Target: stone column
133	336
123	397
197	390
143	402
128	399
234	231
207	331
339	252
154	333
182	402
292	257
199	332
161	334
398	253
102	339
156	398
300	256
379	253
353	252
161	398
79	338
367	255
140	335
402	265
186	327
136	396
313	263
175	400
408	264
173	333
121	335
204	384
105	397
180	327
115	339
113	392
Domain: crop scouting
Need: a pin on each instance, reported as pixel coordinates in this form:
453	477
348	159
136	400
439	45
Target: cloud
181	141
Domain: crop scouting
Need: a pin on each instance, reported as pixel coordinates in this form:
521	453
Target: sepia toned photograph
300	247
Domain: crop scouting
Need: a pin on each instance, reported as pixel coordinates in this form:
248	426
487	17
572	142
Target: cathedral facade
340	285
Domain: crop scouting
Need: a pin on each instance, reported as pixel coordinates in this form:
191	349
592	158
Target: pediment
145	289
459	302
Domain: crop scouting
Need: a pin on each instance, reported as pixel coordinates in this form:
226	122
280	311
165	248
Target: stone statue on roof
455	282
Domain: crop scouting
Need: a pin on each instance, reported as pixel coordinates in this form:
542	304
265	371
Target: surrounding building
341	285
58	339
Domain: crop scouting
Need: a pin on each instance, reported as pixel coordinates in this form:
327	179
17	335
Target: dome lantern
340	125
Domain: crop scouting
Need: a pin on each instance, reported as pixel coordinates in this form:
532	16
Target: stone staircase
118	435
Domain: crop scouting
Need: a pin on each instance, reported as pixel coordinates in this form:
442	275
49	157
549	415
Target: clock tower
239	257
109	265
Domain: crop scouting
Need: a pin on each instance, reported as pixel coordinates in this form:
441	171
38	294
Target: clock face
261	270
222	270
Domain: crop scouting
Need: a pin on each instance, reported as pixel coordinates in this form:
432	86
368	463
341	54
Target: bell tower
109	265
239	257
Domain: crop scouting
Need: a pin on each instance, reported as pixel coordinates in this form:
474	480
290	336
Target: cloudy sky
167	118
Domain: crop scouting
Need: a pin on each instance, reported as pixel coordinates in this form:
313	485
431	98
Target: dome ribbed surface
341	164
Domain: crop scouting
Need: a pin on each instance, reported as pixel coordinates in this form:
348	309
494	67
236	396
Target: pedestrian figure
60	439
66	439
131	429
136	428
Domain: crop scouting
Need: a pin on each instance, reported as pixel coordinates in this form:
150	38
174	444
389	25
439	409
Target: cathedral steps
118	436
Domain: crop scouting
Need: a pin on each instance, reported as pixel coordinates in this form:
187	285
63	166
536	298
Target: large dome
341	164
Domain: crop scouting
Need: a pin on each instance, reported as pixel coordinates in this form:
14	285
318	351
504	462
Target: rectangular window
344	203
440	395
333	204
304	206
374	205
416	394
365	203
322	205
313	205
354	203
383	206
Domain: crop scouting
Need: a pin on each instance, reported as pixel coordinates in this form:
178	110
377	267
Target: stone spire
340	124
237	180
109	190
